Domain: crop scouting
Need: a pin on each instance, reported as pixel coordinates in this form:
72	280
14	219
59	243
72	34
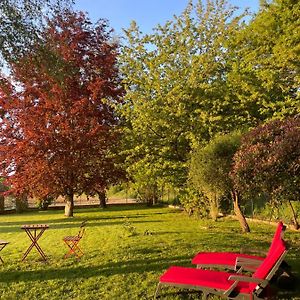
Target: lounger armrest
248	264
238	278
253	251
247	279
245	260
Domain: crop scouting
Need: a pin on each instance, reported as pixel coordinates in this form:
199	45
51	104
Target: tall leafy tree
21	24
58	125
265	72
177	95
268	162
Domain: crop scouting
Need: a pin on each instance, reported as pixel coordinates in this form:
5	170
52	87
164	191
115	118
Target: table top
3	242
35	226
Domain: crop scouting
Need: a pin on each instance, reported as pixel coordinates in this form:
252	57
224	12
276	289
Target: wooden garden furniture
73	241
2	246
35	232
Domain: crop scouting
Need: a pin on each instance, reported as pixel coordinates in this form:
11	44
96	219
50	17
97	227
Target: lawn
126	250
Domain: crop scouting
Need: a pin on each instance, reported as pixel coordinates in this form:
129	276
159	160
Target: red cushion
269	262
229	258
220	258
202	278
277	236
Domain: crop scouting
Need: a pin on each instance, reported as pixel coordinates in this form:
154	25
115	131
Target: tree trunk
21	203
296	224
239	214
149	201
1	204
214	207
155	195
69	207
102	198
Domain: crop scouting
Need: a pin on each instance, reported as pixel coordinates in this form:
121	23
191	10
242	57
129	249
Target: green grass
126	250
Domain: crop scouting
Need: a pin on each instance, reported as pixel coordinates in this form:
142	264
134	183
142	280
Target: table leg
37	246
2	246
34	238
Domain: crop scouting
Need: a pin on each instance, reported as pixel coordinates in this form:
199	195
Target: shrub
268	162
209	173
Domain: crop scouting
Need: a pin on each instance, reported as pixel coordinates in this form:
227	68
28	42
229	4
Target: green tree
195	202
177	96
21	22
269	162
265	62
209	173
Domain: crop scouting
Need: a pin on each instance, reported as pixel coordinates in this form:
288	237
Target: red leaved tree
268	162
58	121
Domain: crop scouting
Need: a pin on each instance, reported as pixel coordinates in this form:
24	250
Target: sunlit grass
126	250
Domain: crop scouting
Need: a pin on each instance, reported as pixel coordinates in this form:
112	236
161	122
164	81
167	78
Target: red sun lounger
224	284
233	260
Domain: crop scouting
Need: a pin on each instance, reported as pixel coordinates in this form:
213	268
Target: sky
147	13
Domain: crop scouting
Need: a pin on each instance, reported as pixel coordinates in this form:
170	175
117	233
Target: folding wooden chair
73	241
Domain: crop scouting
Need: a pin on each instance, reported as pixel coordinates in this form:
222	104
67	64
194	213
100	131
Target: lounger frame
262	283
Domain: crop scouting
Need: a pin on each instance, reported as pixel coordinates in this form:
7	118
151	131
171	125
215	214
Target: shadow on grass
76	221
86	272
114	268
120	208
17	228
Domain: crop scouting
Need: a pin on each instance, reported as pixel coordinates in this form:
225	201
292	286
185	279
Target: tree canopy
176	89
203	73
21	24
265	69
58	123
268	161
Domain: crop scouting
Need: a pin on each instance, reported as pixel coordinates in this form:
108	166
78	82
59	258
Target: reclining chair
236	261
225	284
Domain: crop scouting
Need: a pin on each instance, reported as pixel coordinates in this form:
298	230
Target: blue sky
147	13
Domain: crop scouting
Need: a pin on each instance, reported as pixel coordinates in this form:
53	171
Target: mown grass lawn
126	249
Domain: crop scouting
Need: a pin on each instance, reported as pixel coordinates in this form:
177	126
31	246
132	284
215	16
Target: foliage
265	73
58	129
145	183
43	203
210	167
114	265
200	74
21	24
175	79
129	228
115	189
21	203
121	191
3	187
276	210
269	160
194	203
